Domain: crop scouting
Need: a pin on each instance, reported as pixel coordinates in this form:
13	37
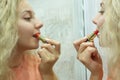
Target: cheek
101	21
25	29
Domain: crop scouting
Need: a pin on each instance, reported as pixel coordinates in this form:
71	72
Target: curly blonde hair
8	35
110	36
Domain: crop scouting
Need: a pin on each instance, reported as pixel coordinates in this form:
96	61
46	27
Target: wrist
46	70
97	76
49	75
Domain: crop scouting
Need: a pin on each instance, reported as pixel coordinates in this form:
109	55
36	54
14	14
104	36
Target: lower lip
35	38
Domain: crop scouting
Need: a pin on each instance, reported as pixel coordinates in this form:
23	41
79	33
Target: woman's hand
49	54
89	56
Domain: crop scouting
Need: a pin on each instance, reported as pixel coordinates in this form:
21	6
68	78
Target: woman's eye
101	11
28	18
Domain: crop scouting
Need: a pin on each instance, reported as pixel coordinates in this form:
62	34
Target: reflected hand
89	56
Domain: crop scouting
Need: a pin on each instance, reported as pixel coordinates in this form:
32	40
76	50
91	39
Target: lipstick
38	36
92	35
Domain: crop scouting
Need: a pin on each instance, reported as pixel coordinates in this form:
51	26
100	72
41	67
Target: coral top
29	68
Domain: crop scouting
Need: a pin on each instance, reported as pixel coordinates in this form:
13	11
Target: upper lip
36	33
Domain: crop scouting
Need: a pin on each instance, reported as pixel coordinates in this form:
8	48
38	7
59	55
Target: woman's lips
36	35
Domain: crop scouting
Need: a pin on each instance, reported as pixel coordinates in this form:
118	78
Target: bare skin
28	25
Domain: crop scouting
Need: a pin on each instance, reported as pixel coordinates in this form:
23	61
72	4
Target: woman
18	58
108	23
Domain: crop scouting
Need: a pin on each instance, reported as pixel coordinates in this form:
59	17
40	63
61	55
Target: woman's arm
97	76
48	75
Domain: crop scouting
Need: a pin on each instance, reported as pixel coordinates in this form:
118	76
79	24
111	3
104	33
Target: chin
32	46
35	46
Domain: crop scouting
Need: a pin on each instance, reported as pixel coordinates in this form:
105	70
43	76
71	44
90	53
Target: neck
16	57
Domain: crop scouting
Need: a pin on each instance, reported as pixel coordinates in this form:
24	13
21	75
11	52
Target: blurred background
66	21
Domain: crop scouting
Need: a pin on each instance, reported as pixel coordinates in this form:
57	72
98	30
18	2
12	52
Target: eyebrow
28	11
101	4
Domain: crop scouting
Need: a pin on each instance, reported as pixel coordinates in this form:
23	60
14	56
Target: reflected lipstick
92	35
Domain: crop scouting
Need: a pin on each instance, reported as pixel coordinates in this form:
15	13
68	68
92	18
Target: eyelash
101	11
28	19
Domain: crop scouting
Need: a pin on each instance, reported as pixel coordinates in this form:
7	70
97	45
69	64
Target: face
99	18
28	25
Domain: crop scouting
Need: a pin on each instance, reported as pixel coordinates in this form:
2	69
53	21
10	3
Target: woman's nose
38	24
94	21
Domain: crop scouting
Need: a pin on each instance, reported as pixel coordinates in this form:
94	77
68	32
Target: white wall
66	21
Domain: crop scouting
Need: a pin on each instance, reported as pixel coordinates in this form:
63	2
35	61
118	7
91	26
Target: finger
86	56
48	47
96	56
92	52
55	43
43	53
46	56
78	42
84	45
